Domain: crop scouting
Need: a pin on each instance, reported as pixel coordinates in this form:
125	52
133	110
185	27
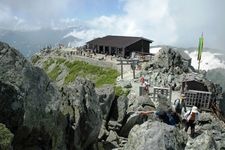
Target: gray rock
106	95
125	84
84	116
113	137
29	103
136	101
41	116
119	108
155	136
114	125
133	119
203	141
103	145
103	131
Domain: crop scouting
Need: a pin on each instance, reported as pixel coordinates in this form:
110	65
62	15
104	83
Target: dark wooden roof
117	41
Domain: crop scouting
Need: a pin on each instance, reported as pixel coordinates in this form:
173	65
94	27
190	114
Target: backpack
177	104
186	117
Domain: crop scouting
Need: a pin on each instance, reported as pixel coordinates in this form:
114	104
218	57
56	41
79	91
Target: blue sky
88	9
173	22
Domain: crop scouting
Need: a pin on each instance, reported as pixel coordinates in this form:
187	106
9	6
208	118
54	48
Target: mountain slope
30	42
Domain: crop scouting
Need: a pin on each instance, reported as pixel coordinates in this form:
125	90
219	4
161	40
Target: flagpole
200	48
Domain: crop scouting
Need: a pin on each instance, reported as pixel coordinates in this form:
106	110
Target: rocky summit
36	113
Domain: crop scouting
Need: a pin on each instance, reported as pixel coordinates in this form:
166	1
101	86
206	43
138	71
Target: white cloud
173	22
150	19
209	60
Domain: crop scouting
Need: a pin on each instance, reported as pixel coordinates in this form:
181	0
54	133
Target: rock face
106	95
203	141
167	69
39	114
30	103
119	109
168	59
84	117
155	136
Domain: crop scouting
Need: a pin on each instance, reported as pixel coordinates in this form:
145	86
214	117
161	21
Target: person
174	117
142	80
192	117
167	117
180	103
146	86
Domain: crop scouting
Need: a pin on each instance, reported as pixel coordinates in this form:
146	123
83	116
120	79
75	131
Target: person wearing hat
192	117
180	103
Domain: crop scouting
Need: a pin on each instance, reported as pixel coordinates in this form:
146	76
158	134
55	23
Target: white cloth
187	115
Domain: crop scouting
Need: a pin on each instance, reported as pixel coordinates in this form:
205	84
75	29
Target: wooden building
119	45
192	81
200	92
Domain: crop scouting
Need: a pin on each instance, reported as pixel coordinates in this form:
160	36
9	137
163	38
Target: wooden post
133	68
199	65
121	61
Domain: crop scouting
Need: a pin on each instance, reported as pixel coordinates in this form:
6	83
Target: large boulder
212	132
29	103
155	135
169	58
131	121
203	141
119	109
84	117
135	102
106	95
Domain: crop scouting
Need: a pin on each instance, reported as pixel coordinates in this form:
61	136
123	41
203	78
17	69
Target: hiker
192	117
167	117
146	86
180	103
162	115
175	118
142	80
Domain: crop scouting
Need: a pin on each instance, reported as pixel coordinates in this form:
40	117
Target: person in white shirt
192	117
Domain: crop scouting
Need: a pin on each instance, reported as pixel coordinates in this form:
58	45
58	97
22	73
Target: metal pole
121	68
133	69
198	65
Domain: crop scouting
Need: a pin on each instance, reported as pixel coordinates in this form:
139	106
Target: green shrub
120	91
98	75
6	137
48	63
60	61
55	72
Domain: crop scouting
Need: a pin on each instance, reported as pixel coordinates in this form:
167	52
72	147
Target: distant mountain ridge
31	41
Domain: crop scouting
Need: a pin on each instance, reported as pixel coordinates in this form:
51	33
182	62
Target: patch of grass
55	72
60	60
48	63
6	137
120	91
98	75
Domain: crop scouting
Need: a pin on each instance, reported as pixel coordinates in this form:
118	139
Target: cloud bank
172	22
209	61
